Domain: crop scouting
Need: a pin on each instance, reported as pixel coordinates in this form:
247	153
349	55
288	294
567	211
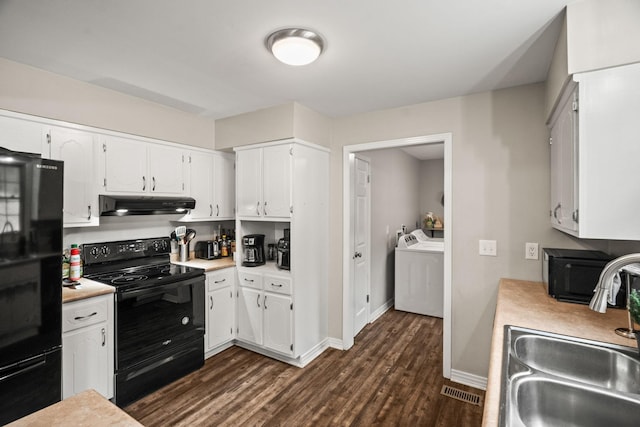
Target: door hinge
291	347
189	158
368	179
291	151
104	147
231	331
550	141
291	209
49	138
183	158
183	186
576	216
367	299
104	182
291	306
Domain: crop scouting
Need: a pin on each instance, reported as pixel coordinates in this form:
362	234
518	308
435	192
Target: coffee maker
253	250
284	248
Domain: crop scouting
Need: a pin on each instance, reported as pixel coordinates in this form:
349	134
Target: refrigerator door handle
22	367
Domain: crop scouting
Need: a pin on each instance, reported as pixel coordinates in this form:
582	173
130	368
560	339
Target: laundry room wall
395	185
431	187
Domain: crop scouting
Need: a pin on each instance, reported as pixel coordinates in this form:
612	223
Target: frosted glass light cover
296	50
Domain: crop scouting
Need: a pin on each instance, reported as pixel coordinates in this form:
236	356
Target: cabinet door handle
210	210
86	317
220	281
104	337
555	213
153	180
264	208
217	210
258	208
248	280
265	302
277	285
210	303
89	217
144	183
258	300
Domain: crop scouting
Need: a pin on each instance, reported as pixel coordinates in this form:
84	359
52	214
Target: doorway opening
349	245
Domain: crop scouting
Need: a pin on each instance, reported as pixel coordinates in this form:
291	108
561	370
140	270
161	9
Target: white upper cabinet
224	189
249	182
132	166
264	182
77	150
166	169
20	134
564	147
201	184
212	185
594	155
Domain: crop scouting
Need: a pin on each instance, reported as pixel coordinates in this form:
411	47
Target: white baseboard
219	349
335	343
300	362
471	380
381	310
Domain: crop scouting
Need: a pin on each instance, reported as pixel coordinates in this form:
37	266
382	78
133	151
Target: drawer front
250	280
83	313
281	285
220	279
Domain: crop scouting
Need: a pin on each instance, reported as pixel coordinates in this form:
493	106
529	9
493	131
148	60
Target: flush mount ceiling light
295	46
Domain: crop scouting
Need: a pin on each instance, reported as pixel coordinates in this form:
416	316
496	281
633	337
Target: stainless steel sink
547	402
579	361
556	380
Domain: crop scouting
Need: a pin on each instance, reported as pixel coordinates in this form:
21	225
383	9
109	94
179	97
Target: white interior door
361	244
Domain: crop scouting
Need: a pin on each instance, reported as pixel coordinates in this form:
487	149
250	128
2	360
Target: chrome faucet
603	289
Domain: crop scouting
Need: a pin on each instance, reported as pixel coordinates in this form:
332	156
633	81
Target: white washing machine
419	276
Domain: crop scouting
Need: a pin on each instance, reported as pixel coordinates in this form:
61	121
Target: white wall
40	93
602	33
395	184
431	188
501	191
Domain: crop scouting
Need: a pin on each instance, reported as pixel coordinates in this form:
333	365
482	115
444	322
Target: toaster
207	249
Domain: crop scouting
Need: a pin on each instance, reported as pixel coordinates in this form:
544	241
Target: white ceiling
208	56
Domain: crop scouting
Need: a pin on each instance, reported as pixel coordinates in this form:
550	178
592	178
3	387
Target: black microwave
571	275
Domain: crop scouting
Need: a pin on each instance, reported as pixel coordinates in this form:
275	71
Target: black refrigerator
30	283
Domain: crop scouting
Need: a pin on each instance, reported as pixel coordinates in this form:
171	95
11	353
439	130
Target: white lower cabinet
87	346
220	311
265	318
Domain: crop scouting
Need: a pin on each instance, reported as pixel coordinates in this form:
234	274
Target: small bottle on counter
224	251
74	263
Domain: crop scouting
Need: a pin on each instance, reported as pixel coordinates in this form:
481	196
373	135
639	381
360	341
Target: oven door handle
151	291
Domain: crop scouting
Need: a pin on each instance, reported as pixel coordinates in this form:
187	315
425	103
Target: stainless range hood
144	205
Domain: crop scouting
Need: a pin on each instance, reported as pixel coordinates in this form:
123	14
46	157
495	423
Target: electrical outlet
488	248
531	251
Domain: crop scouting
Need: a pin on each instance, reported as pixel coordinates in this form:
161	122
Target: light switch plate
488	248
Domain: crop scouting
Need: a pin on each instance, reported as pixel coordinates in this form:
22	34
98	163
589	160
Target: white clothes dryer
419	276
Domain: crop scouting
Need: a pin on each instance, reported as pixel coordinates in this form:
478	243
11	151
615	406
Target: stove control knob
94	251
105	250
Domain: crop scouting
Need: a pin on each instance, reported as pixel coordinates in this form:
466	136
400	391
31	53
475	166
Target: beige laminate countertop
206	265
88	408
527	304
87	289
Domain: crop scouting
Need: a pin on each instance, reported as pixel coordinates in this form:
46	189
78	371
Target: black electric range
159	313
131	264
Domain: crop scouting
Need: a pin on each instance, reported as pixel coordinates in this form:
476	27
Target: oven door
158	319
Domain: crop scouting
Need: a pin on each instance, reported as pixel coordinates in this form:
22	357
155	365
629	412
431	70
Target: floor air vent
464	396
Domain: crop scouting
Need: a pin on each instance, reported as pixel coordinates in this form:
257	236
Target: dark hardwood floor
392	376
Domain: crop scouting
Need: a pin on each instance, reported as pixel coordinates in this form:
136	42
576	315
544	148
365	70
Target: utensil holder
183	250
